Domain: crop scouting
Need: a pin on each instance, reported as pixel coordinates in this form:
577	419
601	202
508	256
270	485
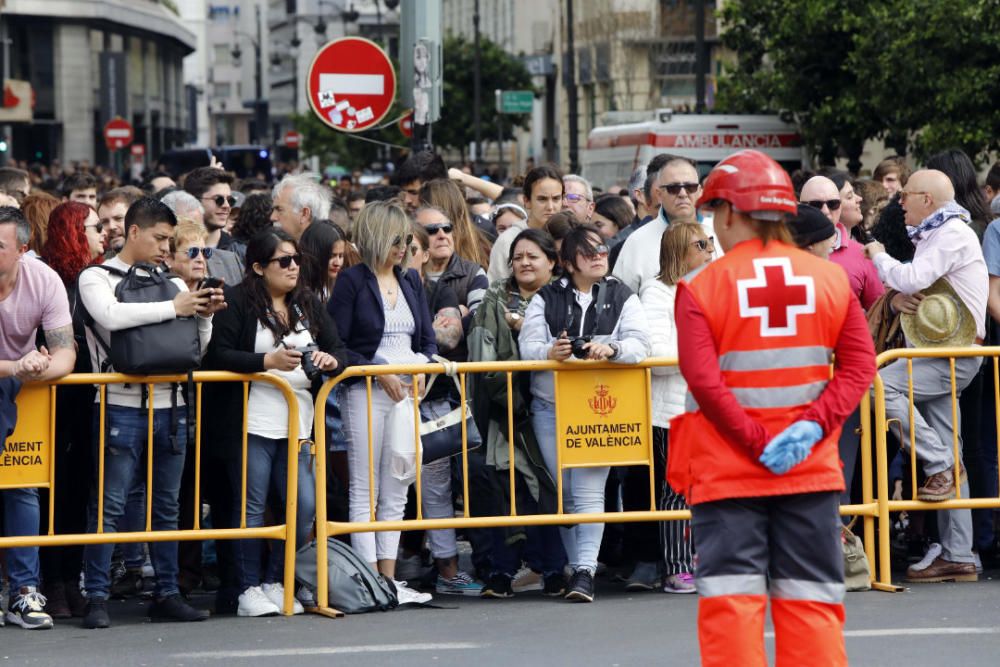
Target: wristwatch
616	349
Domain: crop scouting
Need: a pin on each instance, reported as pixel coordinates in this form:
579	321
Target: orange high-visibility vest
775	313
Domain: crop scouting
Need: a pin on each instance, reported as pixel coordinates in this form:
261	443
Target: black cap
810	225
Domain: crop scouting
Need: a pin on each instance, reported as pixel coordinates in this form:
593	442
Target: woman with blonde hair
188	254
381	312
470	243
684	247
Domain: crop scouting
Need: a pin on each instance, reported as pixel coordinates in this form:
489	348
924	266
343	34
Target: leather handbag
441	437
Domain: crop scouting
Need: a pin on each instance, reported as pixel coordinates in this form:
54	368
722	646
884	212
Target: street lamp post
259	104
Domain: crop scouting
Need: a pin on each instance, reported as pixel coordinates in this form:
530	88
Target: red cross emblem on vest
776	296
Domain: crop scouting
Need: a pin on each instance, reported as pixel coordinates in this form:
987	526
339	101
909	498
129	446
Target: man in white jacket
149	226
677	189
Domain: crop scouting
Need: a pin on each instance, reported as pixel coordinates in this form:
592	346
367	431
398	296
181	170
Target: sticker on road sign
342	104
335	117
351	124
327	99
365	115
353	84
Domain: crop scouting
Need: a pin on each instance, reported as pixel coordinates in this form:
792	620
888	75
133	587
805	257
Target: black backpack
172	346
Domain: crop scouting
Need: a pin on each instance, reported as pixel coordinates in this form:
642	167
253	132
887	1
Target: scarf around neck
937	218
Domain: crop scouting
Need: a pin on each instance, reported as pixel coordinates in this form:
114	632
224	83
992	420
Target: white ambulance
615	151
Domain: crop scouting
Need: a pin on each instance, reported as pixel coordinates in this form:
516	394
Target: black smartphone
210	283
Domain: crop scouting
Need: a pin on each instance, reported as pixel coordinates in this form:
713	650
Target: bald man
946	247
822	193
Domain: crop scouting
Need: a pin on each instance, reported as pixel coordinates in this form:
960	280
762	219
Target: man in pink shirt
822	193
31	297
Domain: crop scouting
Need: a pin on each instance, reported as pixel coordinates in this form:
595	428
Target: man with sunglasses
822	193
578	197
213	188
676	188
221	263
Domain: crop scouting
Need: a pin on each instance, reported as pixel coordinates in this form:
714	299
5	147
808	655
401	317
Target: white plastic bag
400	435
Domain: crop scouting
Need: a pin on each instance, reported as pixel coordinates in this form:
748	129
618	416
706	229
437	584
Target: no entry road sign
118	133
351	84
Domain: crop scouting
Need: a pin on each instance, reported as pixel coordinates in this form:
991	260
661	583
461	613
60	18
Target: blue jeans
583	491
134	521
20	517
123	460
267	470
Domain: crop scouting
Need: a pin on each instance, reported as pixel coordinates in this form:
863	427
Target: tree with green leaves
919	74
498	70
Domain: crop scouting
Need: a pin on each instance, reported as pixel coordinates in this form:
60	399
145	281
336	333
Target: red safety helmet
750	181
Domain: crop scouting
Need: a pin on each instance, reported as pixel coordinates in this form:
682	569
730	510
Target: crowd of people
301	280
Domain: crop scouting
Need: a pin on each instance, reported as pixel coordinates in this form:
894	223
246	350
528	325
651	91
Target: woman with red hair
74	241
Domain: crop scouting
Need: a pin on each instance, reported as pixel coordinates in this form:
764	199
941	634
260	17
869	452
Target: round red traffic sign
351	84
406	125
292	139
118	133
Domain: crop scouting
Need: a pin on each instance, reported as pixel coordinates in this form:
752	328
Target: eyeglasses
446	227
398	241
286	260
903	194
832	204
675	188
194	251
220	201
572	197
598	250
705	244
98	226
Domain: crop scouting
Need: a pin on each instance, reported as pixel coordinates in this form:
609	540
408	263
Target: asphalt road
956	624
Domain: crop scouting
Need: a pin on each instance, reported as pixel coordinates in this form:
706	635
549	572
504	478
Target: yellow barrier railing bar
243	468
284	532
419	455
196	521
149	464
869	509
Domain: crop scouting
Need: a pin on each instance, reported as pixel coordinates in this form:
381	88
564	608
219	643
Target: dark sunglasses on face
285	261
832	204
598	250
398	241
193	252
220	201
675	188
434	229
705	244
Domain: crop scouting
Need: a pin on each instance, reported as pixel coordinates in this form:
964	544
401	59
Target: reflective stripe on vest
731	584
786	357
768	397
801	589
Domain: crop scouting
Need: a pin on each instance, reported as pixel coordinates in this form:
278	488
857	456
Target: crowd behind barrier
319	315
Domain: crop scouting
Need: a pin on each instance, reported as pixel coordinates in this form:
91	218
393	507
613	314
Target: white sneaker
407	595
253	602
933	551
276	594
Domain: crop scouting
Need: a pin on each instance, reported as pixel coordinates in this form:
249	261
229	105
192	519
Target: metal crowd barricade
283	532
325	529
886	505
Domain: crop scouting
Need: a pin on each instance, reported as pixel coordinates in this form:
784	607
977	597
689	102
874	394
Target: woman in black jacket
271	324
381	310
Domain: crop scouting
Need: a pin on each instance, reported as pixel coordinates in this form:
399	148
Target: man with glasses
946	248
221	263
578	197
213	188
15	183
676	188
822	193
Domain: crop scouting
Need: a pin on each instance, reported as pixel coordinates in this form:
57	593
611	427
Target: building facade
86	59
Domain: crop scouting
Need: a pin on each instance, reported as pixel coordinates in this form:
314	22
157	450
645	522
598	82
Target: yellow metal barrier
885	503
32	417
868	509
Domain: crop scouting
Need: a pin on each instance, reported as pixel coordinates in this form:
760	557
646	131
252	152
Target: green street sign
516	101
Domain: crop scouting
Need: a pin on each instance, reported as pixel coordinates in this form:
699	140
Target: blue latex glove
791	447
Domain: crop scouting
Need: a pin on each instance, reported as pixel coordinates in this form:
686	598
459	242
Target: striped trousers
675	536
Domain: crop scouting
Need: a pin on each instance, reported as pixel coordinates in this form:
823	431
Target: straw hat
941	320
